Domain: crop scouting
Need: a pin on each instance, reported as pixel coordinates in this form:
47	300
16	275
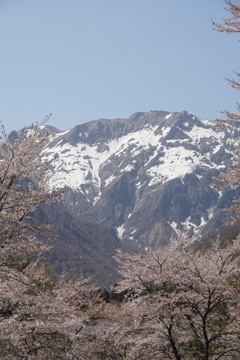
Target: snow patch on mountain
198	133
120	231
174	164
81	163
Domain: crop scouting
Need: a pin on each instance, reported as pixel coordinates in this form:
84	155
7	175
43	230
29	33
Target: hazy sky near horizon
83	60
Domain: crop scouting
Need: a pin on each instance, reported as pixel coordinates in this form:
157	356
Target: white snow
187	224
174	227
180	141
120	231
197	133
127	168
109	180
76	165
165	131
81	164
30	131
211	212
177	162
217	148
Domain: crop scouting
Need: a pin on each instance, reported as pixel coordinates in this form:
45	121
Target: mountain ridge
110	167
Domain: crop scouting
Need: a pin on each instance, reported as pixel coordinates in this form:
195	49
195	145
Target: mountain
80	247
146	176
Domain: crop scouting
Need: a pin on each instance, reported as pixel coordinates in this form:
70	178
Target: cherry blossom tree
179	304
231	25
231	178
39	317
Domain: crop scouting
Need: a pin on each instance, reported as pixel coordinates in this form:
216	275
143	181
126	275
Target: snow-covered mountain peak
172	141
127	162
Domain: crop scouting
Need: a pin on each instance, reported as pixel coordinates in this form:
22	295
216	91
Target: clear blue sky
87	59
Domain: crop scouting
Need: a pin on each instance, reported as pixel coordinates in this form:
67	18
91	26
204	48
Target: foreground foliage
179	303
38	316
231	178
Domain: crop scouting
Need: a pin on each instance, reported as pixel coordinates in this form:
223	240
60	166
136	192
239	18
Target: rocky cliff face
147	176
80	247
